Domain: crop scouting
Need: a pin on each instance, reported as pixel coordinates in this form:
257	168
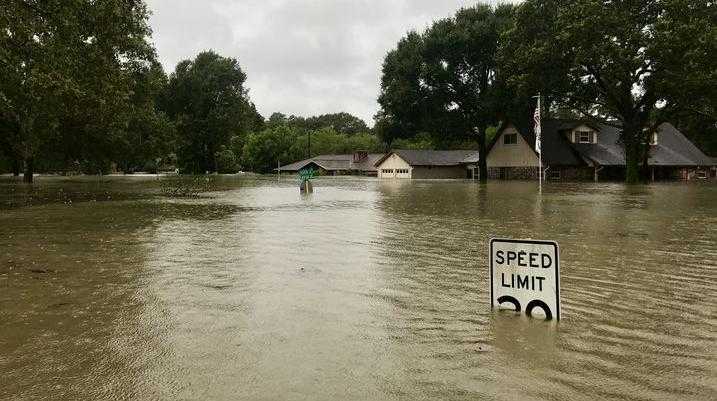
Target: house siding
513	173
393	163
436	172
520	154
570	173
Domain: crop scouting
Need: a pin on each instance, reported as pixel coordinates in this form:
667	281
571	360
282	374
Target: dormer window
510	139
584	136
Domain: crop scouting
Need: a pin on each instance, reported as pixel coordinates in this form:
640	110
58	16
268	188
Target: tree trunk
15	166
482	157
632	140
632	171
29	170
633	156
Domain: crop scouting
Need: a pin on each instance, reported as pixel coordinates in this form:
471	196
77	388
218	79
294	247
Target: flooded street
363	290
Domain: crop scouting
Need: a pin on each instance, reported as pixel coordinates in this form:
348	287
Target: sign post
526	275
305	177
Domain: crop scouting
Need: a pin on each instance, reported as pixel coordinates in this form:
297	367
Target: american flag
538	132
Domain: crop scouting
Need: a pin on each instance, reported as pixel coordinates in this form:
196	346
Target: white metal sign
526	275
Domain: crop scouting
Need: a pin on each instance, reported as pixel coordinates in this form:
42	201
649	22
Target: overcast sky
301	57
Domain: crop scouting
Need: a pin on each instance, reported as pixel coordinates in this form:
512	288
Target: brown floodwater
113	288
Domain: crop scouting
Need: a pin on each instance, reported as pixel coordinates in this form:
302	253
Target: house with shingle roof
358	163
427	164
581	150
407	164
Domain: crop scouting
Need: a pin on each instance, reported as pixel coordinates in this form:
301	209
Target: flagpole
539	145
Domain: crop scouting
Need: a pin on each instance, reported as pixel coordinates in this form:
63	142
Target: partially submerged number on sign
525	275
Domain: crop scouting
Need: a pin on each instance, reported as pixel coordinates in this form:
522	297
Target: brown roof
336	163
672	149
433	157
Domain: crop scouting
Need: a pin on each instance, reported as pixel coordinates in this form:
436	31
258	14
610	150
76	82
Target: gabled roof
556	149
432	157
369	163
296	166
607	152
336	163
672	149
472	157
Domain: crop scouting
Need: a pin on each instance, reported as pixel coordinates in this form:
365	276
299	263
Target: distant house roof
672	149
336	163
433	157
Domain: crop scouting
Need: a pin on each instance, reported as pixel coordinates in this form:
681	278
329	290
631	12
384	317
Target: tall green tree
342	122
690	101
614	60
265	149
209	103
150	136
446	81
65	71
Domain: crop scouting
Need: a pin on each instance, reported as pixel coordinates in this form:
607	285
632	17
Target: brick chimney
360	156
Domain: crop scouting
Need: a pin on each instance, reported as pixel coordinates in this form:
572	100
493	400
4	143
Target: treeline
82	91
81	88
633	64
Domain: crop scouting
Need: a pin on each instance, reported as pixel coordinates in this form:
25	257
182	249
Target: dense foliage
445	81
285	144
343	123
69	71
619	61
81	89
631	63
207	99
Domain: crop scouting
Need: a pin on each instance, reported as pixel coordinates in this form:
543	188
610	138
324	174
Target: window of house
387	171
584	136
402	171
510	139
555	174
653	139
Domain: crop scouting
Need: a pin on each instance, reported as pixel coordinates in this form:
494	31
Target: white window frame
505	138
579	136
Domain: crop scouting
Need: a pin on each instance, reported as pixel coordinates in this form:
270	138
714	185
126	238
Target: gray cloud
302	57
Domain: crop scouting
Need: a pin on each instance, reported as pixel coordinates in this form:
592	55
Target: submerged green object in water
151	297
307	174
305	177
